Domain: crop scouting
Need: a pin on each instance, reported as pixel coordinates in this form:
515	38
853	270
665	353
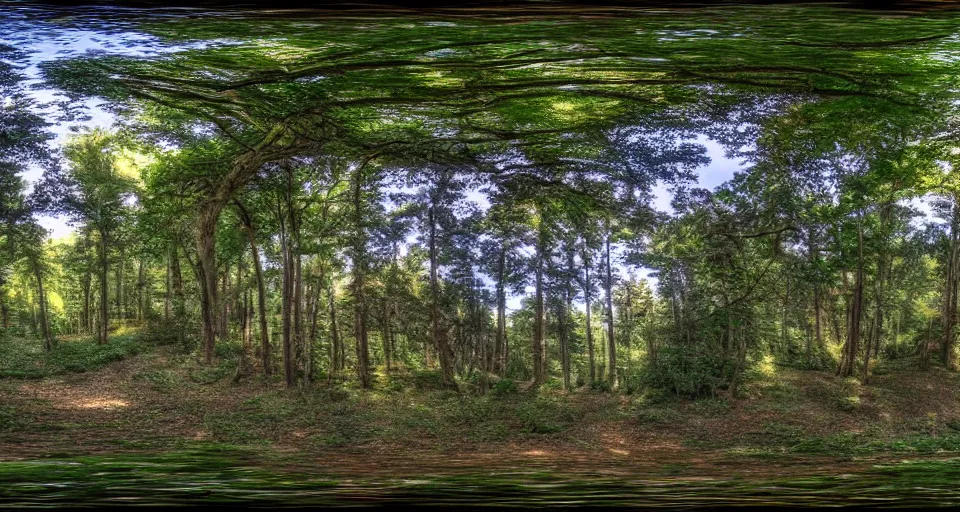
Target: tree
92	190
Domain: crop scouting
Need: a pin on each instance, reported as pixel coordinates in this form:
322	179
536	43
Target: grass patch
160	380
24	358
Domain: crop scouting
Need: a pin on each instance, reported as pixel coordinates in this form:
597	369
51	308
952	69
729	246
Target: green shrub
687	371
818	361
545	416
8	418
504	387
848	403
165	332
228	349
211	374
898	351
25	358
428	380
160	380
601	385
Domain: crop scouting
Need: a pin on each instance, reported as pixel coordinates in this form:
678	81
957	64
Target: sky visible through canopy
74	42
51	39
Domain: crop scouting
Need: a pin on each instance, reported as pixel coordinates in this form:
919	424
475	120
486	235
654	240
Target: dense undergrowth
25	358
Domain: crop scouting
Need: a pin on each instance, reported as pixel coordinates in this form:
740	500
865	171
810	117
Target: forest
488	235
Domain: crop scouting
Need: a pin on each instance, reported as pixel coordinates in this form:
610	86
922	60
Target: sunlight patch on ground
536	453
767	366
100	403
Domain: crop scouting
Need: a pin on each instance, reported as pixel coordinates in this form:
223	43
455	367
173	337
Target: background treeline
333	229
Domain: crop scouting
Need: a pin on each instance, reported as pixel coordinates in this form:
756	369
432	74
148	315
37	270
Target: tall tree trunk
141	290
814	257
784	340
87	313
951	292
565	323
166	295
298	337
261	287
293	213
537	352
286	299
444	352
876	326
856	311
48	341
359	282
104	304
224	328
120	263
591	352
207	272
386	334
335	365
179	300
612	347
499	349
314	315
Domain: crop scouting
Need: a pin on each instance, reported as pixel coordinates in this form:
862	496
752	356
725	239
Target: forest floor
790	425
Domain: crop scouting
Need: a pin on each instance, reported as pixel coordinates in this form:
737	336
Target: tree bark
87	316
565	324
104	304
444	352
612	347
386	334
261	287
951	292
852	347
537	352
499	349
120	287
207	270
335	350
141	291
48	341
591	353
359	282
